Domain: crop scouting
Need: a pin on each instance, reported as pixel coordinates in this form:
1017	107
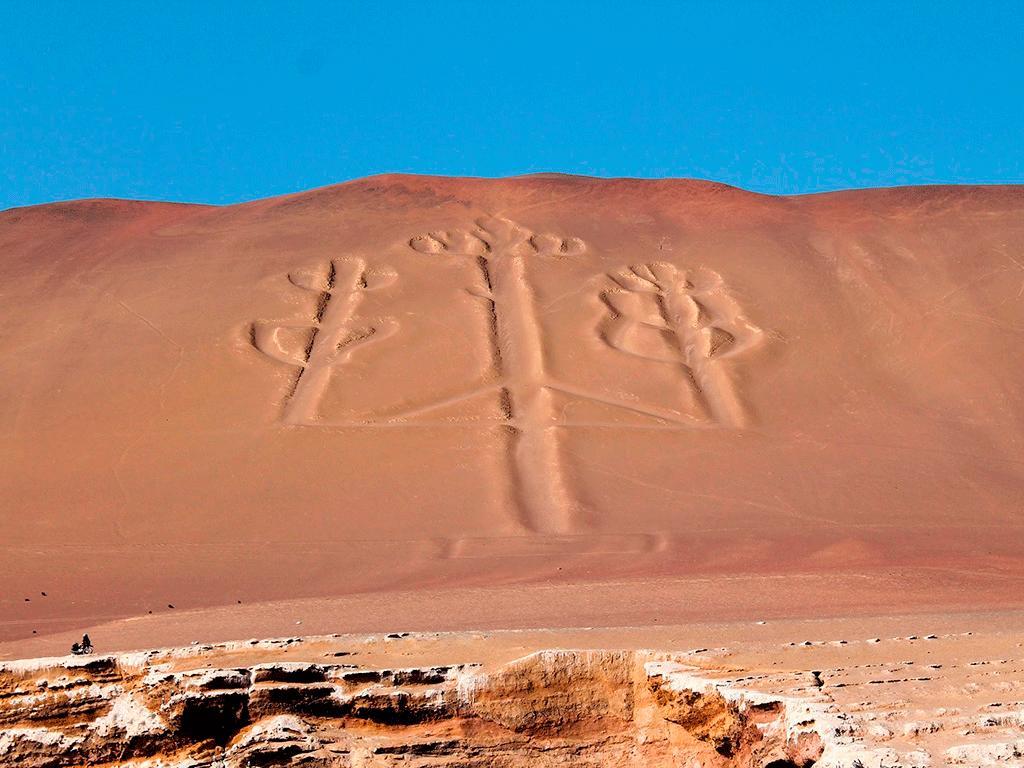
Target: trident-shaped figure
317	347
689	311
501	249
668	315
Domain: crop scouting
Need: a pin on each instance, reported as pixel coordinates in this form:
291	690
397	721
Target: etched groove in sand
331	337
500	247
665	314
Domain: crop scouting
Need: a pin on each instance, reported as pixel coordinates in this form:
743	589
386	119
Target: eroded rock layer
237	705
952	696
594	708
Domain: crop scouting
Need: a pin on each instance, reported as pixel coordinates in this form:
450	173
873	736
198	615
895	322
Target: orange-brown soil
428	403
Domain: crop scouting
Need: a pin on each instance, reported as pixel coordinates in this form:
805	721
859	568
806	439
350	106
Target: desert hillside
534	401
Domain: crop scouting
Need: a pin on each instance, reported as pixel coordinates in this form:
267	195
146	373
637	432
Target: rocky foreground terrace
376	701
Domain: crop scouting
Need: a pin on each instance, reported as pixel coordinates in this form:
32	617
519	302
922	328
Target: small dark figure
82	648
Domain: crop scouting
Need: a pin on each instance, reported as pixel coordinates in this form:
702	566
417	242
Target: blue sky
220	102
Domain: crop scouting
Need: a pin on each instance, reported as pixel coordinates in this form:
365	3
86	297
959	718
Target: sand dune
555	390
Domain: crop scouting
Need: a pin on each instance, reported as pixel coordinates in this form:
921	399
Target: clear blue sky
222	101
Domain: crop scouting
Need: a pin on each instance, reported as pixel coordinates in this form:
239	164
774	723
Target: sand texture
436	403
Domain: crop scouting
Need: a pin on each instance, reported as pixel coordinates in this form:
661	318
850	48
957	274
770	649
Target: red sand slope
427	383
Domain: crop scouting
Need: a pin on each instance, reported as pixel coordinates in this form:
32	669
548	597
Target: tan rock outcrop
551	708
227	707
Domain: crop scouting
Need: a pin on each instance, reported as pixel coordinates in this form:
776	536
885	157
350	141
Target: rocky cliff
580	708
469	700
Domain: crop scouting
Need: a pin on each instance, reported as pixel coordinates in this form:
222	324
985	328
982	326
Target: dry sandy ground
426	403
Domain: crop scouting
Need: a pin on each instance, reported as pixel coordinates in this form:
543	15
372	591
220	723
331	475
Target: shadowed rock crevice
216	717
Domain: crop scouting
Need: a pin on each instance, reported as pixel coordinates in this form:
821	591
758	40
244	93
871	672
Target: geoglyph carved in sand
685	318
332	335
501	249
659	313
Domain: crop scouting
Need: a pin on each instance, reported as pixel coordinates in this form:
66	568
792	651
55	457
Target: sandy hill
529	401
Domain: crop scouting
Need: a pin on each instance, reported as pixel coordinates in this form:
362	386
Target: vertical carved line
543	499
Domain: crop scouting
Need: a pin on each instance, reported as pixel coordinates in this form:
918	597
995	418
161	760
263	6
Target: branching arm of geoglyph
332	335
668	315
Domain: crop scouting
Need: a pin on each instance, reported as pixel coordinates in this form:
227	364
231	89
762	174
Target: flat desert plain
439	403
